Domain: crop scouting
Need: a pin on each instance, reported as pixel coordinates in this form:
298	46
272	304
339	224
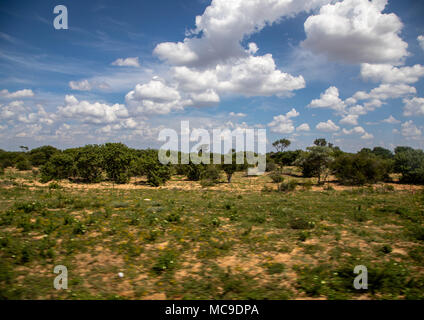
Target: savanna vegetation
128	227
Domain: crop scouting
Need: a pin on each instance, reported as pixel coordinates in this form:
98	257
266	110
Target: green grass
209	244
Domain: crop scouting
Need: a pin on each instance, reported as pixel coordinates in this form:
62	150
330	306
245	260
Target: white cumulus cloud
25	93
222	27
155	97
283	123
329	99
410	130
391	120
127	62
413	107
96	112
304	127
351	119
328	126
389	74
356	31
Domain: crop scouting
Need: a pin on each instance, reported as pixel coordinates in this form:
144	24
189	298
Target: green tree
210	175
383	153
281	145
316	162
361	168
88	161
410	163
117	159
22	162
157	173
321	142
60	166
194	171
39	156
233	167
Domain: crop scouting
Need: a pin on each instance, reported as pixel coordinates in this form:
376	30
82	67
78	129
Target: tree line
118	163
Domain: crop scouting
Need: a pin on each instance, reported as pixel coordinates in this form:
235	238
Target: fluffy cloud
12	110
82	85
39	117
25	93
128	62
17	113
156	90
391	120
413	107
328	126
356	31
88	85
304	127
283	123
351	119
410	130
356	130
329	99
251	76
385	92
155	97
223	25
205	99
421	41
389	74
211	61
96	112
367	136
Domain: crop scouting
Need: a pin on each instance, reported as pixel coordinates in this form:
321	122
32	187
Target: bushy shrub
270	165
210	175
277	176
6	163
23	165
1	170
88	161
286	158
288	186
117	159
194	171
40	156
361	168
9	159
231	168
180	169
316	162
300	223
410	163
156	172
60	166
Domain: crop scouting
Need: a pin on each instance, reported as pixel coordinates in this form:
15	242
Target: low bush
210	176
410	163
361	168
277	176
60	166
300	223
288	186
23	165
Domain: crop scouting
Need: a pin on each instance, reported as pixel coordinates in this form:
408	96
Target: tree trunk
229	176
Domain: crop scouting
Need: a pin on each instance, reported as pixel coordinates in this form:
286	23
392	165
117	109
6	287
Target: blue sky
350	71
